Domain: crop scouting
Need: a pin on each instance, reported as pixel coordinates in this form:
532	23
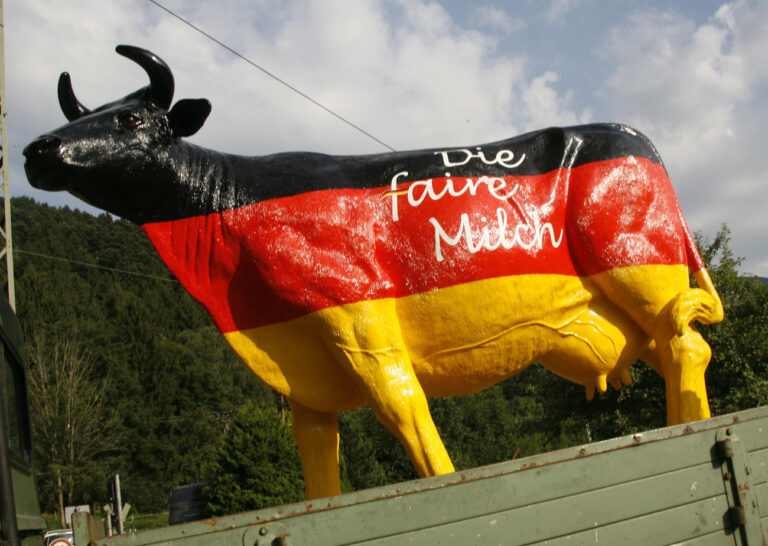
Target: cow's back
412	225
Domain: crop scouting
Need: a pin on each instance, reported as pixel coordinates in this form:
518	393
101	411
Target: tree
370	454
170	375
73	426
737	377
255	465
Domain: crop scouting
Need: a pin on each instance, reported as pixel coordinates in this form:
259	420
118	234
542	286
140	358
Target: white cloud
667	68
693	90
546	107
404	71
558	9
414	76
496	19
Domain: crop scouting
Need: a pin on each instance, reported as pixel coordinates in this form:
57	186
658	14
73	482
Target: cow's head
119	156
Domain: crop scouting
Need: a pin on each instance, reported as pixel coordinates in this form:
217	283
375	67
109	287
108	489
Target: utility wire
273	76
97	266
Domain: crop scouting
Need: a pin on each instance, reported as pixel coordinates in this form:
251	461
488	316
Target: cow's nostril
43	145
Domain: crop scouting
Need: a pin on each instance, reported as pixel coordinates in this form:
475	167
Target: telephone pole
6	242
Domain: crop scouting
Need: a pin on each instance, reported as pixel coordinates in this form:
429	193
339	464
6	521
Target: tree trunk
62	519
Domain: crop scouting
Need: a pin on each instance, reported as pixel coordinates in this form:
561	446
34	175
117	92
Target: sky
690	74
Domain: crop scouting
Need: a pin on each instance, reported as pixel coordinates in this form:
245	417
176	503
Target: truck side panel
700	483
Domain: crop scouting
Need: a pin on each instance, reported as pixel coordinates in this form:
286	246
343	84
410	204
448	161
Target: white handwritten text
524	235
503	158
421	189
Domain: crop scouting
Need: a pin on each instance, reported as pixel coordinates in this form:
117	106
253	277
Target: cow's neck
206	182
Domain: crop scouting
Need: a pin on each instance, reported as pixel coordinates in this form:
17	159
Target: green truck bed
701	483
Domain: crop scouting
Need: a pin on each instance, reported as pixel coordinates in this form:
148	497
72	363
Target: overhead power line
271	75
97	266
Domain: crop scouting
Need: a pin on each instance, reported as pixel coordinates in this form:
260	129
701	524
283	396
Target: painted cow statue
385	279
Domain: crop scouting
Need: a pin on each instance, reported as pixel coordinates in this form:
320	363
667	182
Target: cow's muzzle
42	159
42	147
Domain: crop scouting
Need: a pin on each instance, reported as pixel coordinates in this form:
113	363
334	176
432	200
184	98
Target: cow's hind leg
317	437
684	360
661	301
367	342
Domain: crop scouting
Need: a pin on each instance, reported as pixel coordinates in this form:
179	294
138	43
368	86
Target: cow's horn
160	77
68	101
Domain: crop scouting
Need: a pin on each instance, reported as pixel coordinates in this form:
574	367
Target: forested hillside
172	382
154	393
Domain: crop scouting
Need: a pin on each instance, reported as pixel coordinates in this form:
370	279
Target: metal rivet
263	531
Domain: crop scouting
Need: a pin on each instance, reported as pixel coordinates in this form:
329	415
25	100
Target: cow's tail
701	304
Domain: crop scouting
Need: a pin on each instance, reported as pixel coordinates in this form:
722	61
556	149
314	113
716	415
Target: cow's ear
188	115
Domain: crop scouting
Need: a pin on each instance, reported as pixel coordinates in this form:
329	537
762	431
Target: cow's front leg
366	340
398	401
317	437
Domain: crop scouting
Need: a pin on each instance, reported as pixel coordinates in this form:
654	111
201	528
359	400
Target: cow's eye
128	120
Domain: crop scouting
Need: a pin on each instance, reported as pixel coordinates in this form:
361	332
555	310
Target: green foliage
737	377
171	378
146	521
51	520
255	465
76	430
370	455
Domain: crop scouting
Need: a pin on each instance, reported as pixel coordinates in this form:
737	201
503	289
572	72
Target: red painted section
279	259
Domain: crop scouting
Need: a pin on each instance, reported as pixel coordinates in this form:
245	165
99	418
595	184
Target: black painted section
128	157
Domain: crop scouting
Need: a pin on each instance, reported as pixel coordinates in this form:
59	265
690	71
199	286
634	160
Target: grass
52	520
147	521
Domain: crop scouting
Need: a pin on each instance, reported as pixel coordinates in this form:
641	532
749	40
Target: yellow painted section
393	353
465	338
460	339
